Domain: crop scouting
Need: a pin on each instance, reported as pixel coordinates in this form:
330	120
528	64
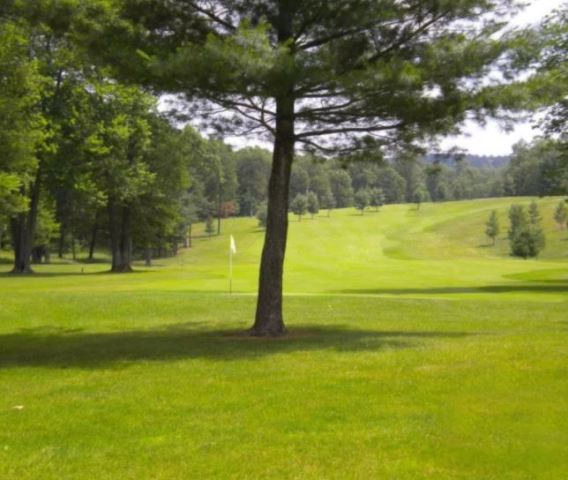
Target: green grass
415	351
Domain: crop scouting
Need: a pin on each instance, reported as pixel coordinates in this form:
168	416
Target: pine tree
328	202
376	198
313	204
299	205
261	215
343	78
561	215
361	200
492	226
525	234
209	226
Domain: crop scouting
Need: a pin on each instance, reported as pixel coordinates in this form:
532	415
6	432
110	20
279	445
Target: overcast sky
491	139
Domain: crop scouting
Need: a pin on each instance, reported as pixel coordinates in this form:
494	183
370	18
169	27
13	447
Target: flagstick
230	271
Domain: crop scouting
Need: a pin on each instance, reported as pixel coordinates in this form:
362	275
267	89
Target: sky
491	139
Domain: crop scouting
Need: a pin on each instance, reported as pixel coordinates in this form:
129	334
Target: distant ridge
479	161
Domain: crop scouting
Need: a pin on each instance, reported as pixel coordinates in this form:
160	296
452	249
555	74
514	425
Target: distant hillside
479	161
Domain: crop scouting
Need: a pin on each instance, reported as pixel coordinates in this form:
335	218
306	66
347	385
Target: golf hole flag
232	251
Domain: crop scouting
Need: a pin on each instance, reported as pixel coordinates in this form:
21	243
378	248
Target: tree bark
269	319
148	257
93	241
119	218
73	248
61	247
23	230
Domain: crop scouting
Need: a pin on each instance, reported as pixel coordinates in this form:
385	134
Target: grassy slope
418	353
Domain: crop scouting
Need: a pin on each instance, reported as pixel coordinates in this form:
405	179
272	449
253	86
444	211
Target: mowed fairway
415	351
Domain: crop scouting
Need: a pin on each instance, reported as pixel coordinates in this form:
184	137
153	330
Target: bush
262	214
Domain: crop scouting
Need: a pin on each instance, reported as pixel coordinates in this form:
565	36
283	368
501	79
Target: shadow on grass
552	286
486	245
78	273
61	348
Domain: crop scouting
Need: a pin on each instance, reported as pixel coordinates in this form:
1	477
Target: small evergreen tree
420	195
299	205
328	202
534	214
262	214
313	203
209	226
525	235
561	215
535	228
492	226
376	198
361	200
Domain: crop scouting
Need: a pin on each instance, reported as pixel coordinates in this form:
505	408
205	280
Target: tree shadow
553	286
63	348
78	273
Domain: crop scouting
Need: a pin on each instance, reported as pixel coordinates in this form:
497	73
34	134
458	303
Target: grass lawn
415	351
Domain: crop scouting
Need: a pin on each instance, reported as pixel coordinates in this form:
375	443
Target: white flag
233	246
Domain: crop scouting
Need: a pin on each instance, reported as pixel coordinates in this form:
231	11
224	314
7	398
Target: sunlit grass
415	351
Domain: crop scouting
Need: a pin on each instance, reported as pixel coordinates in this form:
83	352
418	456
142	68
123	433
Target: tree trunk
148	256
119	217
61	247
73	248
38	253
23	229
189	232
93	241
269	320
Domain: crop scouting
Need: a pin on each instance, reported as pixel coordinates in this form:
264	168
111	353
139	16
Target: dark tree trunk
23	229
219	223
148	256
93	241
269	320
61	248
119	217
189	232
38	254
73	248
